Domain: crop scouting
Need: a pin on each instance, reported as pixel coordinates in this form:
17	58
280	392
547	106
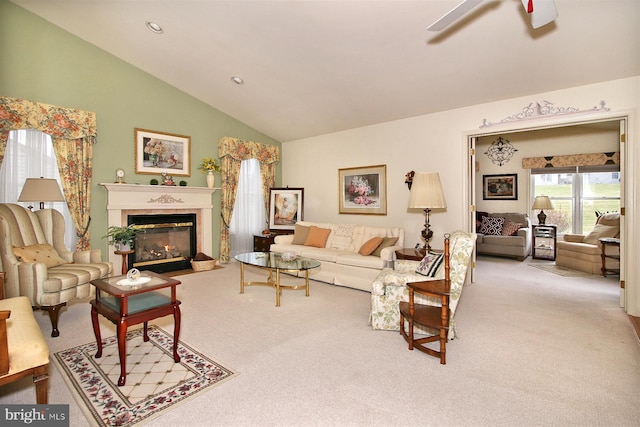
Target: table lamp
40	190
426	193
542	202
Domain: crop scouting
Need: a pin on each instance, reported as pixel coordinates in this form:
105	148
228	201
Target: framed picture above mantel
158	152
500	187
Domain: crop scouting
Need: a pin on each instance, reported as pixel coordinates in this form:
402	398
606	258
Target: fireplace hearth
164	242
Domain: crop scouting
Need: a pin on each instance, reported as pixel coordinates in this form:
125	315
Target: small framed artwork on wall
500	187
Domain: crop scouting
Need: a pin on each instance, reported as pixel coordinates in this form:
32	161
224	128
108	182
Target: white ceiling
319	66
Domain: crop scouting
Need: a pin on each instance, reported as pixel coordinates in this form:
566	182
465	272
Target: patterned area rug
155	383
560	270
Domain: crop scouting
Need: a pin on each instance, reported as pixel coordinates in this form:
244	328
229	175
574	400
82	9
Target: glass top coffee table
274	263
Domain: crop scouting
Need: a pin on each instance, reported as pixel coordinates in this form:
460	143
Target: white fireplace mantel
135	199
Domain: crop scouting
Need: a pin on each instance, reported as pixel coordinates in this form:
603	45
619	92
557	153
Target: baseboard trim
635	321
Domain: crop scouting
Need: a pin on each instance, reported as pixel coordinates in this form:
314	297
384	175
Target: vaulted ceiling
312	67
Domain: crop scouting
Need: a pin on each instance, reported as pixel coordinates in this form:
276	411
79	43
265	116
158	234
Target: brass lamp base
427	233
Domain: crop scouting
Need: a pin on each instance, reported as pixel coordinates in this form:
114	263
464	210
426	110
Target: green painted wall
41	62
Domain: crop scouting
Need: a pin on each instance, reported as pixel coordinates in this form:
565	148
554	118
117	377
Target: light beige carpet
560	270
534	349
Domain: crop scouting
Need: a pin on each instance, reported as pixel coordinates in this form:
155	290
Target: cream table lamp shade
41	190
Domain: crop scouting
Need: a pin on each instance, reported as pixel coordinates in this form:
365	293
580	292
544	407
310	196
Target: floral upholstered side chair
390	287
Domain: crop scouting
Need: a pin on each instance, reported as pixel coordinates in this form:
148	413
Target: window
249	216
29	154
577	194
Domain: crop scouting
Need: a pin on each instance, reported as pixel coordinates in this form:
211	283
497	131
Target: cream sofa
341	264
584	253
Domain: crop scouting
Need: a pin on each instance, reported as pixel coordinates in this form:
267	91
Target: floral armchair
389	288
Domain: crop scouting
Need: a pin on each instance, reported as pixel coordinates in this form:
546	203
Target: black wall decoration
500	151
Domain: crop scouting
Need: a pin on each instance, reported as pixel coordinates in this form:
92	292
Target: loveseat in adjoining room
503	234
350	255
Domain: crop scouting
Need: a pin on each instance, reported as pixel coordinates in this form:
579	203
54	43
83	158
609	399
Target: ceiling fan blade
454	14
544	12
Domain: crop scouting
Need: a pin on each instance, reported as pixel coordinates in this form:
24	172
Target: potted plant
121	237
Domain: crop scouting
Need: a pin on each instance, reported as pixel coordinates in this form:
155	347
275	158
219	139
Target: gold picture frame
363	190
158	152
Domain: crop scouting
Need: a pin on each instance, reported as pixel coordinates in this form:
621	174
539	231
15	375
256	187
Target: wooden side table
410	254
124	259
262	243
126	305
604	242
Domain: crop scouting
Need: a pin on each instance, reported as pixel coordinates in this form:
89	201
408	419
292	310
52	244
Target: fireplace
124	200
164	242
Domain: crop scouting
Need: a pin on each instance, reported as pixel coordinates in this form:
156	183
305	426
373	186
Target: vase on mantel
211	179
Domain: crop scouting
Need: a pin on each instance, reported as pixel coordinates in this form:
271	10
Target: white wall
438	143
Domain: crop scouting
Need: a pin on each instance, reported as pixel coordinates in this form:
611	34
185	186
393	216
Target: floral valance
240	149
59	122
572	160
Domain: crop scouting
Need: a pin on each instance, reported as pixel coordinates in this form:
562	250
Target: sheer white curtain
29	154
249	217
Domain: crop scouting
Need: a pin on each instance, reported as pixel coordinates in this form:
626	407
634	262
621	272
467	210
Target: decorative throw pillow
479	216
341	237
431	264
599	231
43	253
511	228
492	225
300	234
370	245
317	237
388	241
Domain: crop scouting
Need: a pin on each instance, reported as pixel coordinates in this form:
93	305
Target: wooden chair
23	349
430	317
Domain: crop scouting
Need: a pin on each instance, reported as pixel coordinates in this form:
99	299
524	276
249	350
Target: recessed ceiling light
237	80
156	28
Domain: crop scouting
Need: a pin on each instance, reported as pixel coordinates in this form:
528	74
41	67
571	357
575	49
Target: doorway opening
546	135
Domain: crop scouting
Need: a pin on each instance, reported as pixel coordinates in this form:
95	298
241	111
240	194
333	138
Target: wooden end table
127	305
411	254
604	242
